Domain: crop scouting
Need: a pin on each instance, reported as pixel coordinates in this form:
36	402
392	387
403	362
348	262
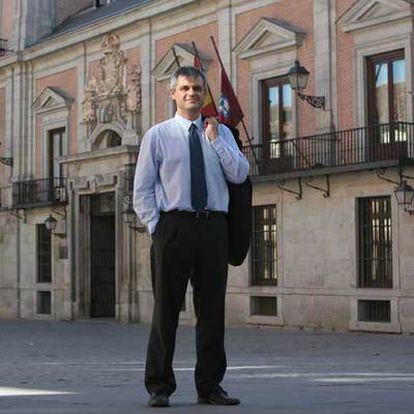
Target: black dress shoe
218	398
159	399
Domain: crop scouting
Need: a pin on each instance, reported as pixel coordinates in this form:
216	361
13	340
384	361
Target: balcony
38	193
378	146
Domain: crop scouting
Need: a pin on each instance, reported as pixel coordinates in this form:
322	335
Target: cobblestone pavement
98	367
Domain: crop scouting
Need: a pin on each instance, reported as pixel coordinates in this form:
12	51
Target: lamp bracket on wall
60	211
381	175
297	193
315	101
20	214
325	192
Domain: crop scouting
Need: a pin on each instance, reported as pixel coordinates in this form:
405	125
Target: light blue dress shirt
162	177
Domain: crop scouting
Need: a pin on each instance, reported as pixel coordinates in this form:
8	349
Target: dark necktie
198	176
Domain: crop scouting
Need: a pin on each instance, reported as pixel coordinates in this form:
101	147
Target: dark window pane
44	303
263	305
374	311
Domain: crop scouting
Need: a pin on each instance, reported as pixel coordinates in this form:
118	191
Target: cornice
99	28
368	13
99	154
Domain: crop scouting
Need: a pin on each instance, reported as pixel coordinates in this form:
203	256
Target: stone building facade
80	83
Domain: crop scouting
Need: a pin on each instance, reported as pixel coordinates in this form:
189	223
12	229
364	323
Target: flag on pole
209	108
229	109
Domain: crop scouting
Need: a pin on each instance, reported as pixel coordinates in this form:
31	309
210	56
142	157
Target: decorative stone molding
53	104
268	36
94	183
367	13
185	55
134	90
52	99
108	102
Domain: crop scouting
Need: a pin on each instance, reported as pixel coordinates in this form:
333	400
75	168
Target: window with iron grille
44	254
263	305
375	242
264	246
44	303
374	311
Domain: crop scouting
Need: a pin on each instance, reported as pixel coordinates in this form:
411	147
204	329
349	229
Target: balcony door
55	147
387	105
276	123
54	177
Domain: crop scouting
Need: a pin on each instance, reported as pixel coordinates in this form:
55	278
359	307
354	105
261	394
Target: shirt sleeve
234	164
144	201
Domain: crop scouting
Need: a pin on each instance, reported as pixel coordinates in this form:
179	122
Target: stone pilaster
325	58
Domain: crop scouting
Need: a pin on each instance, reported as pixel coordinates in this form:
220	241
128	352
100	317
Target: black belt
204	214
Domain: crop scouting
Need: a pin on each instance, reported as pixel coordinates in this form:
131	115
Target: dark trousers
184	246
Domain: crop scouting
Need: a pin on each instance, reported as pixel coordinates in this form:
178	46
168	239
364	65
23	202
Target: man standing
180	194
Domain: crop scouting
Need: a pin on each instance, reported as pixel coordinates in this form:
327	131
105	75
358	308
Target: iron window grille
375	242
44	303
263	305
44	254
264	246
374	311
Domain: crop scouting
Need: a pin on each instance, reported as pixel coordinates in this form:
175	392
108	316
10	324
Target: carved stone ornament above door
107	97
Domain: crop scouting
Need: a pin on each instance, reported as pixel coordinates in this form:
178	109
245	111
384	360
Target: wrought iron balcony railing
34	193
359	148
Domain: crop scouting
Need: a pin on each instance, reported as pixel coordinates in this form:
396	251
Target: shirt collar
186	123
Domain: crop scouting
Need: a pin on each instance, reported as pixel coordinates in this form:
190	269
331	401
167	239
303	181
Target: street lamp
50	223
404	194
298	78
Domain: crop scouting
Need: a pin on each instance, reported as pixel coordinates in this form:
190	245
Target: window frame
255	280
40	243
371	61
266	84
364	281
52	133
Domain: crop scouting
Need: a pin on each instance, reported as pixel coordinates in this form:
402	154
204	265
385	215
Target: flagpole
202	68
242	120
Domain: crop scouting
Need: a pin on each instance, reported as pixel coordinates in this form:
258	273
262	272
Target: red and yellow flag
209	107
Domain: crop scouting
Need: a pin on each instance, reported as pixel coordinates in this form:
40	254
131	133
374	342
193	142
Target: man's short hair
188	72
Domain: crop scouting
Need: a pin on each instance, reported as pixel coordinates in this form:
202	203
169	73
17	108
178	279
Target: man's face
189	94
